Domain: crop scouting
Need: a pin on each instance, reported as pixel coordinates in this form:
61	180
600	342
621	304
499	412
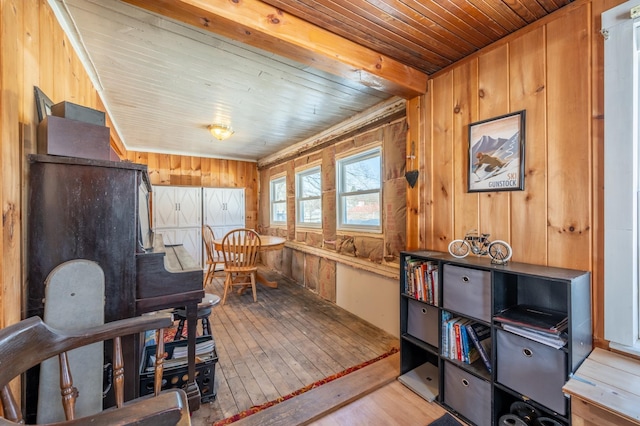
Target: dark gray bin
467	394
422	322
79	113
467	291
533	369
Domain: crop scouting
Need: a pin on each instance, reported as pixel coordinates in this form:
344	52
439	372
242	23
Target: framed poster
43	103
496	154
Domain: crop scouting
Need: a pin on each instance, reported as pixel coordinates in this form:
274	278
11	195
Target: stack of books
465	340
541	325
421	280
178	357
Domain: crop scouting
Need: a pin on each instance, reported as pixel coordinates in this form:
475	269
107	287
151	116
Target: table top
267	242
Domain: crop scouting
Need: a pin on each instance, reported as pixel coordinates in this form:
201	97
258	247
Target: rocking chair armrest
169	408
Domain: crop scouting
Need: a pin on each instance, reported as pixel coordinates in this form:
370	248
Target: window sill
633	351
389	270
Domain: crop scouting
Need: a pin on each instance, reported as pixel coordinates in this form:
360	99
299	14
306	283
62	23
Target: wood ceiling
281	72
424	34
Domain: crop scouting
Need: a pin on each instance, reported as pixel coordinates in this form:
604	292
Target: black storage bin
176	376
533	369
422	322
467	291
467	394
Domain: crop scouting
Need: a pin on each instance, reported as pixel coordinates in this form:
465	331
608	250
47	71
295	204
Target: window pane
309	211
362	175
279	212
363	209
279	190
310	185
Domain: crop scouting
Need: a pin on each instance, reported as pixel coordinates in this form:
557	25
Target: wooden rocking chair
31	341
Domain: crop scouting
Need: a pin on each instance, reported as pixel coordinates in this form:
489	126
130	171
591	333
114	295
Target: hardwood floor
288	339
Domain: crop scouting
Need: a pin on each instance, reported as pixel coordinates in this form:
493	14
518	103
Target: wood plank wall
557	220
36	52
553	70
166	169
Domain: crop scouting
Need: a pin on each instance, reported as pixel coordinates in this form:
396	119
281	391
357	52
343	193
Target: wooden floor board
286	340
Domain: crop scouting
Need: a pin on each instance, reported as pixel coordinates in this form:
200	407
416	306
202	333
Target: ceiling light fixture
220	131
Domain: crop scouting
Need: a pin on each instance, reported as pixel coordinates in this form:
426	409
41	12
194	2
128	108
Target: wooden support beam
257	24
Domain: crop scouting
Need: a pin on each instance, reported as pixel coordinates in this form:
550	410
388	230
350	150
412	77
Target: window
279	201
621	177
359	191
309	198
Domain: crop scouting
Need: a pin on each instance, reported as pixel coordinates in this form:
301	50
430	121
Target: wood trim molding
359	121
263	26
386	270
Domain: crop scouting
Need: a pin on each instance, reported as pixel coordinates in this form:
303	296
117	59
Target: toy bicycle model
479	244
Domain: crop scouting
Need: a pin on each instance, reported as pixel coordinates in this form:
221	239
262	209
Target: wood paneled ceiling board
429	34
280	72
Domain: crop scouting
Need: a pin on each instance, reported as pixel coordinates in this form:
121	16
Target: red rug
261	407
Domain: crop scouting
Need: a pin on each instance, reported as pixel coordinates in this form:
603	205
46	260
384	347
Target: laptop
423	380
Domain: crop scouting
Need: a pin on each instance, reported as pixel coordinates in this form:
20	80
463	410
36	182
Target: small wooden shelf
605	390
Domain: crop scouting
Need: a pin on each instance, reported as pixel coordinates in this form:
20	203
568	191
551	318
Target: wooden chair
31	341
240	249
214	257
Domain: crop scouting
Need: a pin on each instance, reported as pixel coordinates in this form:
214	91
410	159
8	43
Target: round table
267	243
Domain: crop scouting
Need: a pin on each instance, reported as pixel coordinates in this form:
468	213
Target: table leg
262	279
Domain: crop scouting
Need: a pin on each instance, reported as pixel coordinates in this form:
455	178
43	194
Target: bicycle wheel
459	248
500	251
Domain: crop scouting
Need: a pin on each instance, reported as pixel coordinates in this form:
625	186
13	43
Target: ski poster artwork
496	154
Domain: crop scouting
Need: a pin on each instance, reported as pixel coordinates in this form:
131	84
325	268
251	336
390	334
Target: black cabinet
538	325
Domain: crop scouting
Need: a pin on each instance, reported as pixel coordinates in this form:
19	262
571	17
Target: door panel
189	207
164	207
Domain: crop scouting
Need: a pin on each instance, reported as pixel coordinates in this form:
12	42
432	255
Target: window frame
621	174
275	180
351	158
300	174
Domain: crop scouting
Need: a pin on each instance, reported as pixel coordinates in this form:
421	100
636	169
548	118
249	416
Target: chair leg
227	284
253	287
209	275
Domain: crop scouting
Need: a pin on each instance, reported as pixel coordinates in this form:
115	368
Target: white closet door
189	206
164	207
224	207
235	207
177	207
213	206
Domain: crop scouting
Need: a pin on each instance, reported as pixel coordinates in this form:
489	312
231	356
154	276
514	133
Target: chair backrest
31	341
207	237
240	248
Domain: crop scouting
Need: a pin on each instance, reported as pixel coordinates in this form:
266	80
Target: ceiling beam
257	24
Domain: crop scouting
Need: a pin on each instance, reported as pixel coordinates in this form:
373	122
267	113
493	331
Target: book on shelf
480	335
419	280
469	351
535	318
460	348
446	317
456	344
556	341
